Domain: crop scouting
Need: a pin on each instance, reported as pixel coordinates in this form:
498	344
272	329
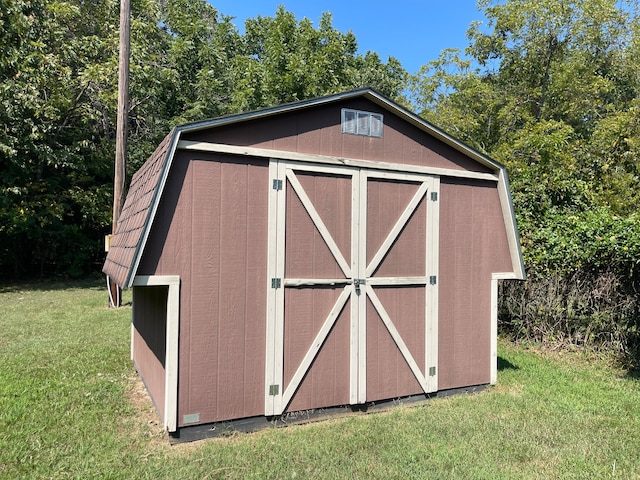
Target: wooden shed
339	251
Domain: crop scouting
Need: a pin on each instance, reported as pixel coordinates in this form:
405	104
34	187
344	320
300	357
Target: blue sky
413	31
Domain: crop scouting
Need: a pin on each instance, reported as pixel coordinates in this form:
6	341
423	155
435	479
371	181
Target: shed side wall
473	245
211	229
149	339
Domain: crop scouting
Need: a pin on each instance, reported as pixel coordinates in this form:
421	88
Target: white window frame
359	122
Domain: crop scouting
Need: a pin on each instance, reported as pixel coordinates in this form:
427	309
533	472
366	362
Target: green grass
69	409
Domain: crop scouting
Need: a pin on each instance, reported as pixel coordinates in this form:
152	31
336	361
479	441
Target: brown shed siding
318	131
388	374
149	339
473	245
327	381
211	229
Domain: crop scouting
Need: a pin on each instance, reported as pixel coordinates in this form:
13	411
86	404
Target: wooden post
121	131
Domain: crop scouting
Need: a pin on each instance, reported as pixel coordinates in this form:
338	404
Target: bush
583	283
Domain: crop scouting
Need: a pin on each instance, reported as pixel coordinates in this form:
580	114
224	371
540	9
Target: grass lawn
71	407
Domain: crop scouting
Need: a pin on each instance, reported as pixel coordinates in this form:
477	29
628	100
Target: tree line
58	101
549	88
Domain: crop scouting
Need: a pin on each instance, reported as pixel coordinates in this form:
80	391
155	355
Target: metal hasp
357	282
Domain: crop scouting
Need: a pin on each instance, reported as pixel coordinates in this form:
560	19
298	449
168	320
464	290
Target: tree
284	60
545	89
52	172
551	90
58	97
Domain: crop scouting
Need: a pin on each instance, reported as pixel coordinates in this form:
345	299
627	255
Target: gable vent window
357	122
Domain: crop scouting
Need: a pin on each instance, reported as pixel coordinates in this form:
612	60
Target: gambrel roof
147	185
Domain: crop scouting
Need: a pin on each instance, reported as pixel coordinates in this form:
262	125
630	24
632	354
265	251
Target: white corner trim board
171	356
494	321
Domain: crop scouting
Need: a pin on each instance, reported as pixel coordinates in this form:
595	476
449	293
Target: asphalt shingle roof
135	214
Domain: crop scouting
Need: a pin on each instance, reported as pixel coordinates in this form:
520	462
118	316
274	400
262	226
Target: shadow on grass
53	283
633	373
504	364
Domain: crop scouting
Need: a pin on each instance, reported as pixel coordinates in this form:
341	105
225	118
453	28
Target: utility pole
115	297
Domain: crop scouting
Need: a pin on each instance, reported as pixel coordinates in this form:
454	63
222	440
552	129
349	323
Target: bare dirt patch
146	422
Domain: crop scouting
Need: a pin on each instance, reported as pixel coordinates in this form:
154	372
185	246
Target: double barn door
352	288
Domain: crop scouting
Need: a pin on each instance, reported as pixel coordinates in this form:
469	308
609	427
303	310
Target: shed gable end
320	130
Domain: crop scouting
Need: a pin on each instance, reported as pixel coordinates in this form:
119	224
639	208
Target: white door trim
281	173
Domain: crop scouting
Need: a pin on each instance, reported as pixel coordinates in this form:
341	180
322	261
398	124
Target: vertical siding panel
386	203
204	299
328	377
331	197
232	282
329	381
352	145
286	135
310	140
463	274
472	245
446	291
405	306
307	255
302	321
393	140
176	258
481	327
373	149
388	374
331	141
255	298
411	151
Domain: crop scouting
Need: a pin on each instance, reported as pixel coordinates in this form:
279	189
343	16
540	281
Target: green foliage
551	89
592	239
58	100
52	153
285	60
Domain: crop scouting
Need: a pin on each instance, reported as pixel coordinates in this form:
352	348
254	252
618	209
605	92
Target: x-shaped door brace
358	279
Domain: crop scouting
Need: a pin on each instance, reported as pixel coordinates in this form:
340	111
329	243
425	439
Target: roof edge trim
167	162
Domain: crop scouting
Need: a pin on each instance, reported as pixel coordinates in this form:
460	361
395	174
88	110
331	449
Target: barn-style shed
339	251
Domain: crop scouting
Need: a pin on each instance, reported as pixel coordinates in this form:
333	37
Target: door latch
357	282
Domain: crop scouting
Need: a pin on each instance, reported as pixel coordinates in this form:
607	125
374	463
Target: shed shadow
504	364
633	373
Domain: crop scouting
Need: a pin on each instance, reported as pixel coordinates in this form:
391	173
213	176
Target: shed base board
253	424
